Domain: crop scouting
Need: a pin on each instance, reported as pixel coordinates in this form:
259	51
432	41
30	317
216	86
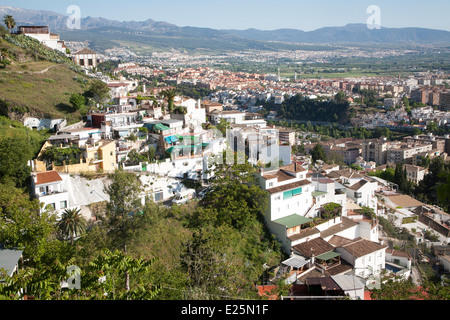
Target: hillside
38	81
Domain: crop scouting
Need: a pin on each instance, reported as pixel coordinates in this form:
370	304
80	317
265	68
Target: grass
43	95
11	128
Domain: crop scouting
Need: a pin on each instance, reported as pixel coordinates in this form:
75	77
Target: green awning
160	126
328	255
194	138
318	193
293	221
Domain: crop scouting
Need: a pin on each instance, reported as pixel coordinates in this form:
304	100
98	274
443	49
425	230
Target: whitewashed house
367	257
363	193
44	36
398	262
48	188
290	201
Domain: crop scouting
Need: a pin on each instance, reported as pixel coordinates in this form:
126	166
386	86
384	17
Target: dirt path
33	72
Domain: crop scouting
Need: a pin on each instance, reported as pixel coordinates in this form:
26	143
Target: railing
50	193
327	266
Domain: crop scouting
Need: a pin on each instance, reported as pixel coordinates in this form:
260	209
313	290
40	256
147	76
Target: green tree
72	224
340	97
15	152
170	95
9	22
213	269
78	101
223	126
23	225
318	153
115	270
395	288
235	198
135	157
150	154
122	211
99	91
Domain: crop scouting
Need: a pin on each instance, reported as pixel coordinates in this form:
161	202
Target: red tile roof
47	177
289	186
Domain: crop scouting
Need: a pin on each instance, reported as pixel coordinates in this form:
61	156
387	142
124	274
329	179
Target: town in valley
319	172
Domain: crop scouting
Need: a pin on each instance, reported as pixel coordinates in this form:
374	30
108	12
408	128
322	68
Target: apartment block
375	150
405	153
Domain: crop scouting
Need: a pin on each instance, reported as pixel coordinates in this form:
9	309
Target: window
63	204
289	194
270	184
90	62
159	196
358	195
81	62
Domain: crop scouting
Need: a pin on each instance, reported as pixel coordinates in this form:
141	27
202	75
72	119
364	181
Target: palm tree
72	224
170	95
9	22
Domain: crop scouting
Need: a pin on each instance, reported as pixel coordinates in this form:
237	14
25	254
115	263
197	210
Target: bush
41	52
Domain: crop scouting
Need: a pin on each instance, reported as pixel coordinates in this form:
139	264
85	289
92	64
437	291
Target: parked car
184	196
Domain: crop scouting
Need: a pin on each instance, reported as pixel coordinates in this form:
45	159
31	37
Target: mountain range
104	32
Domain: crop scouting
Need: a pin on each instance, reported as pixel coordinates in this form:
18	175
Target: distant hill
163	35
351	33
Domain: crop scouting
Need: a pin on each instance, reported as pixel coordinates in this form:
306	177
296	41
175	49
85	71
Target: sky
258	14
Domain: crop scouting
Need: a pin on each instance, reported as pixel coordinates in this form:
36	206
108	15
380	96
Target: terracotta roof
294	167
326	283
361	247
339	241
85	51
305	234
345	224
397	253
289	186
358	185
404	201
268	291
316	246
47	177
280	175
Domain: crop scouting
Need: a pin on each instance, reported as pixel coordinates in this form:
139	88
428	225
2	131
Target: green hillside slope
37	81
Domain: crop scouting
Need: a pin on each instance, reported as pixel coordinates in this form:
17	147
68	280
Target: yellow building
96	156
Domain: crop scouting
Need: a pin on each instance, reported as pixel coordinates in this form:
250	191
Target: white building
367	257
48	188
42	34
290	201
86	58
363	193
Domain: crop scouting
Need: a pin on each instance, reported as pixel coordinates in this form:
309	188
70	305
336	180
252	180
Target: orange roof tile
47	177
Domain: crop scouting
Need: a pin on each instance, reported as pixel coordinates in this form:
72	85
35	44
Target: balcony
49	193
328	260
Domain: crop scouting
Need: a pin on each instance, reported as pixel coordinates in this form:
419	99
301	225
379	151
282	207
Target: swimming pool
392	267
